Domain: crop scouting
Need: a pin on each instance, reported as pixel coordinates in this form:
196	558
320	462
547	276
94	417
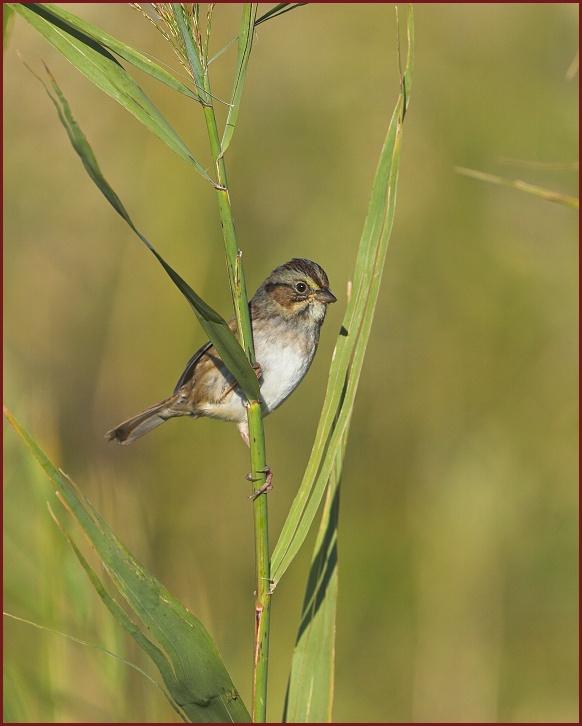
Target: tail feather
147	420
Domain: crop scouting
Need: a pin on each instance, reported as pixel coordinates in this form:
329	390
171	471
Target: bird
287	312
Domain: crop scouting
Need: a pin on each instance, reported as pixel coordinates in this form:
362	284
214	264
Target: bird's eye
301	287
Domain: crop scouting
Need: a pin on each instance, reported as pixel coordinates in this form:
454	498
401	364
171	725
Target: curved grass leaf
193	52
245	42
353	338
100	67
309	697
87	567
213	324
131	55
158	657
310	689
193	671
278	10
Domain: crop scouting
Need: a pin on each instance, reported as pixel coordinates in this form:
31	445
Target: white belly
283	370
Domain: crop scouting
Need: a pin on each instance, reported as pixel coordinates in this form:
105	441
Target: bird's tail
148	419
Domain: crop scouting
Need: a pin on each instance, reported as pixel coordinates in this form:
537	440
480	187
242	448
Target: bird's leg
267	486
243	429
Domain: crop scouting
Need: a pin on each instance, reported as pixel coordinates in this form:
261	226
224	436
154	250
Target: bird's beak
325	296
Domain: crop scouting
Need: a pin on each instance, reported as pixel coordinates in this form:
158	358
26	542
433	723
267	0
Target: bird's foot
267	486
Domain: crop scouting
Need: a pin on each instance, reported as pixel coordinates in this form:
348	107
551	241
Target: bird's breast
283	367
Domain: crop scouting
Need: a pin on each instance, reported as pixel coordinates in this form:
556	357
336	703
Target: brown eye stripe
273	287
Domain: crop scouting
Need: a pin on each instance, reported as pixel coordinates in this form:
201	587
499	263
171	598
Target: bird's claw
267	486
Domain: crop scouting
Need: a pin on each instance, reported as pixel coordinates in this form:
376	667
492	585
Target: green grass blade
352	341
158	657
278	10
223	50
192	51
93	645
213	324
245	42
95	62
199	682
131	55
310	690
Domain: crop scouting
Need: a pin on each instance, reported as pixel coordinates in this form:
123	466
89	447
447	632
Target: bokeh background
458	523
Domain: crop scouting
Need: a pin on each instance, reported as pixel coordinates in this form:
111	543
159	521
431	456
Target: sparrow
287	312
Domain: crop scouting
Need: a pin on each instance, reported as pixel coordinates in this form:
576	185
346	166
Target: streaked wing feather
191	366
193	362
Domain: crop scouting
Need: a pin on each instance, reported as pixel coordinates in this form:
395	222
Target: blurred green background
458	522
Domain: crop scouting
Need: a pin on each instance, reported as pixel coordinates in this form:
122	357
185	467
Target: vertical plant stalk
199	67
263	573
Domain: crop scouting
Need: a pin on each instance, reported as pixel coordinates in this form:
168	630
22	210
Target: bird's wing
193	362
191	366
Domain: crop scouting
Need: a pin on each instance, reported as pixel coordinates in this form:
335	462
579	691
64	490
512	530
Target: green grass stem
242	314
